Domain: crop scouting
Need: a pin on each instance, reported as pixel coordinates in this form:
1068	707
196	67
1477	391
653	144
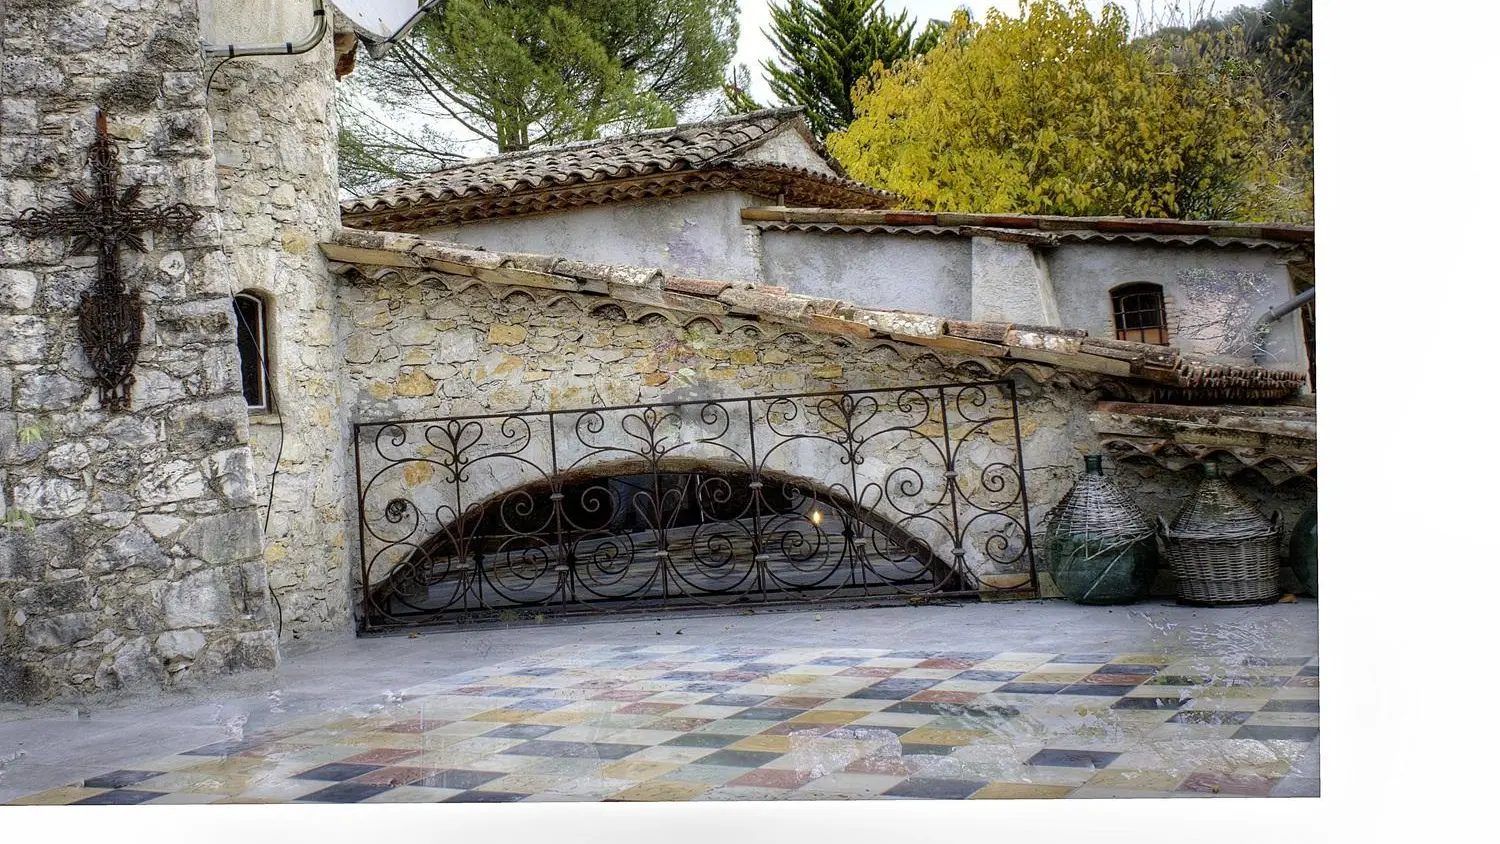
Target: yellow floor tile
956	738
1285	719
502	716
1052	677
772	744
662	791
558	718
57	796
792	679
829	716
634	770
524	783
1136	779
1143	659
1020	791
230	765
399	741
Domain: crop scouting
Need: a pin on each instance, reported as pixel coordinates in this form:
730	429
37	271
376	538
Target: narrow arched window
1140	313
255	366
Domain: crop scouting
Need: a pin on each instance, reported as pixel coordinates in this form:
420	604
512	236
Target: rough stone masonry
131	551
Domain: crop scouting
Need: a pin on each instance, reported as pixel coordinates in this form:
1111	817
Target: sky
755	16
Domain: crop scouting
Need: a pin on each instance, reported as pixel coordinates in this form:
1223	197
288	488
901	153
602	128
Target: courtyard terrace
1035	699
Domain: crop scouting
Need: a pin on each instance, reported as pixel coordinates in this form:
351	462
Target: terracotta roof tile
573	174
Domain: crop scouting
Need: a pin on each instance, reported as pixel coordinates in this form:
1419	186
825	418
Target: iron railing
868	494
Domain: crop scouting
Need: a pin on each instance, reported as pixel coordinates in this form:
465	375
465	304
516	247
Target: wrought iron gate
869	494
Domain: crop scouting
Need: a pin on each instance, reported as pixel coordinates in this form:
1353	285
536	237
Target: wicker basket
1221	550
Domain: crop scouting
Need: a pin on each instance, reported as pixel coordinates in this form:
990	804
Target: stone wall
420	348
131	553
274	135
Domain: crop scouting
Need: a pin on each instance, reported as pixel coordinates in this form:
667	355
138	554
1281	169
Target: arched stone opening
681	533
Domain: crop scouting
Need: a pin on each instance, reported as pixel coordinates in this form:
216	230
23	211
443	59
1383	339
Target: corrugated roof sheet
1051	228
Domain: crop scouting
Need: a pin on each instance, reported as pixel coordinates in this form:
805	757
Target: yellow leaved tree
1056	111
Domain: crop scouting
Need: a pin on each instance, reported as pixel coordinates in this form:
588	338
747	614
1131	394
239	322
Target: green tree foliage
825	47
1278	37
520	73
1056	112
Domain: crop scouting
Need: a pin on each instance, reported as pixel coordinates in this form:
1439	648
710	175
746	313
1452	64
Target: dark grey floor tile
1263	732
119	779
337	772
458	779
934	789
738	758
702	740
1072	758
118	797
574	749
344	792
1211	717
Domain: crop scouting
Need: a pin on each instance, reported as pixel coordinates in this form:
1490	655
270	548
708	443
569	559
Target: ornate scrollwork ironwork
110	317
909	491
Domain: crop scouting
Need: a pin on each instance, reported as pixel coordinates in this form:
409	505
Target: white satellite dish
384	20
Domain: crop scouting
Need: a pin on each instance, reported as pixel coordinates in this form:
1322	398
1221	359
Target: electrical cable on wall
264	362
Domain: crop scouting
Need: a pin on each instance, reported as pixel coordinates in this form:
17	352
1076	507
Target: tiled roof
663	162
1279	442
1173	376
1041	229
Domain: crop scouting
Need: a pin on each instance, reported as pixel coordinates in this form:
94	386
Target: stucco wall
696	235
131	554
1213	292
275	134
929	275
1012	283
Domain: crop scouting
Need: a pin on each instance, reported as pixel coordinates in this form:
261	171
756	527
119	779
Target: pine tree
826	46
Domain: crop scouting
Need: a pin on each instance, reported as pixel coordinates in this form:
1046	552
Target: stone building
242	489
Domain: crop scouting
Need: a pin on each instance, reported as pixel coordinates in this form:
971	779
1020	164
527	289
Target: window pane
1139	315
250	325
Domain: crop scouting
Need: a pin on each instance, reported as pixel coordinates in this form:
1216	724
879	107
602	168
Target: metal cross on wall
110	318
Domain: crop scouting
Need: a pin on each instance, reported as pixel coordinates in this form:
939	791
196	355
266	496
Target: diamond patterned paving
626	723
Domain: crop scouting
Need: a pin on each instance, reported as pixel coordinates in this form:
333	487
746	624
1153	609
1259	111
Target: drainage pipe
1287	307
285	48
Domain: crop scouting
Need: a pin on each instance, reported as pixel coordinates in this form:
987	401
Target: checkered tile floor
683	723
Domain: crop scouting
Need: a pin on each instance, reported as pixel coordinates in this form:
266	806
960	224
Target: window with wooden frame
250	317
1140	313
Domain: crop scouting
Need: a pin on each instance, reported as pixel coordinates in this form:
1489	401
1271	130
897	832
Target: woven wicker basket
1221	550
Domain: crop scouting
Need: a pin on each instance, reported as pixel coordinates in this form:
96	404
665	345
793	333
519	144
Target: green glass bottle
1304	549
1099	548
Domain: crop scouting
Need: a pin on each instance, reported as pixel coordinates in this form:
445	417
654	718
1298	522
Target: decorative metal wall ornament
903	493
110	317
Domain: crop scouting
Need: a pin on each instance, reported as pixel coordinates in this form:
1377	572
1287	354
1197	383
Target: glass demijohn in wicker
1100	548
1221	550
1304	549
